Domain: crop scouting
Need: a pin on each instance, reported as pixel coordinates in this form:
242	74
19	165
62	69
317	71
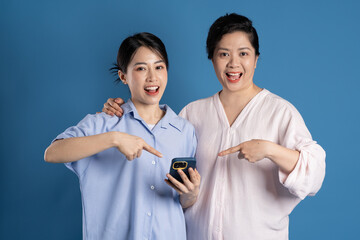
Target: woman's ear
256	59
122	77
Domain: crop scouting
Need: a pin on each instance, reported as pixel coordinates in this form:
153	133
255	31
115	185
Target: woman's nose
151	76
234	62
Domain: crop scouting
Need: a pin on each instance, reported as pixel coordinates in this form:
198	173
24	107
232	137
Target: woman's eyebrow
244	48
226	49
144	63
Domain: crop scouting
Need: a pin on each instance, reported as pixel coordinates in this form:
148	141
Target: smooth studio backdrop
54	61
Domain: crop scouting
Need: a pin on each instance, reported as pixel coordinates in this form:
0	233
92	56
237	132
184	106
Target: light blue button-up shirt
129	199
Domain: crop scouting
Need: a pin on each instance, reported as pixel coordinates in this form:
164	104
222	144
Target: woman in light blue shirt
124	195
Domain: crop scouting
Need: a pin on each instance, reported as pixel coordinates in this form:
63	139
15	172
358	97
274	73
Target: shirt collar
170	118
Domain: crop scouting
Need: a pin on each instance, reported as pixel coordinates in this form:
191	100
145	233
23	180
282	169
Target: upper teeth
151	88
233	74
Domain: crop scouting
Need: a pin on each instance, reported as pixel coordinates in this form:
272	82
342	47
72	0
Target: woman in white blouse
256	157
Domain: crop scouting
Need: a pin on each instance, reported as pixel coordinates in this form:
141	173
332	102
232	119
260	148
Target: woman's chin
232	87
236	87
148	100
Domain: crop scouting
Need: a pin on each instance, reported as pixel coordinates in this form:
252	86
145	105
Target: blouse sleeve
309	172
85	127
183	113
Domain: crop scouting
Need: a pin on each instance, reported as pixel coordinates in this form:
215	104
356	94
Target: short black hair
230	23
131	44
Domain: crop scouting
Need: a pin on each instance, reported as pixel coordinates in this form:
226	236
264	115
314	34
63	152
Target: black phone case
191	162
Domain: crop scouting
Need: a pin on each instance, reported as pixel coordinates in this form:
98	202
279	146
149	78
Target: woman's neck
151	114
234	102
238	98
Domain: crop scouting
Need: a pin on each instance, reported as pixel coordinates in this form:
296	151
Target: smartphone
182	163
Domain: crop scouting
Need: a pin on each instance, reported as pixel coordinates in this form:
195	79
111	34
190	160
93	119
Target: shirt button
153	162
152	187
149	214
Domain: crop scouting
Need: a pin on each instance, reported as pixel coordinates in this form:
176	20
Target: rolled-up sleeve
309	172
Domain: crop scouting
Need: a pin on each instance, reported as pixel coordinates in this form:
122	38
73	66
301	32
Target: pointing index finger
229	151
152	150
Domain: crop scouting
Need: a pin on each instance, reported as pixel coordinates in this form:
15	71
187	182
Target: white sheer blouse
243	200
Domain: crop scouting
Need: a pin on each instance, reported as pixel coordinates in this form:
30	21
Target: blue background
54	61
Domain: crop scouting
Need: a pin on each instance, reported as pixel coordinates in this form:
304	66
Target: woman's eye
160	67
224	54
140	69
243	54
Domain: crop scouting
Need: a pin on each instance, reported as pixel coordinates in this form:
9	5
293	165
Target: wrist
187	201
270	149
114	138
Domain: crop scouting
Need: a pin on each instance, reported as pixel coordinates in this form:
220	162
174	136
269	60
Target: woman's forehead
146	54
236	39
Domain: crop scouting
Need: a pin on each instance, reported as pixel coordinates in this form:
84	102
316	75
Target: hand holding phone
184	164
189	189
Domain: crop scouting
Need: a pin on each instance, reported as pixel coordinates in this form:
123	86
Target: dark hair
131	44
228	24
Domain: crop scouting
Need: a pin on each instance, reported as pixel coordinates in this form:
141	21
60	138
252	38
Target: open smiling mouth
234	77
152	90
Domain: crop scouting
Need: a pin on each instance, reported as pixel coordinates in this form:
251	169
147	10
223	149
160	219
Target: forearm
284	157
76	148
